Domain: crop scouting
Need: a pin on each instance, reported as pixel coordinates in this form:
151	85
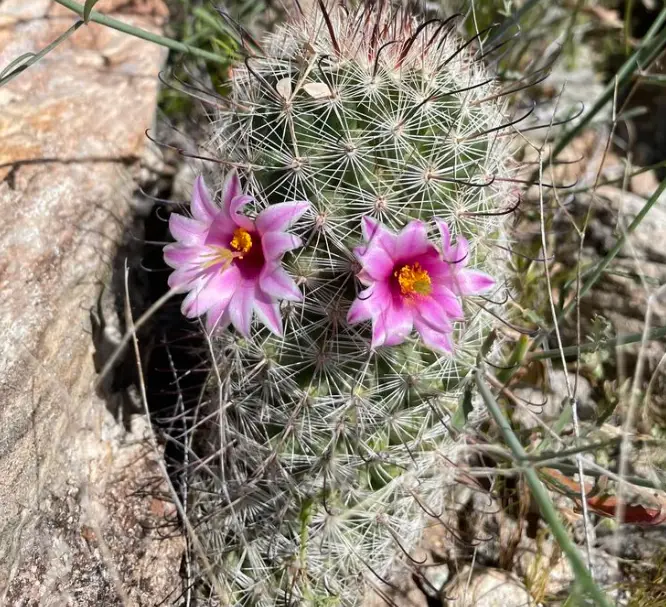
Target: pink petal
202	206
231	188
413	240
234	210
371	228
376	234
240	308
446	235
181	280
433	339
176	255
362	307
392	326
221	231
437	268
458	254
448	301
212	290
217	317
276	282
186	230
268	312
378	331
473	282
276	244
279	217
433	313
376	262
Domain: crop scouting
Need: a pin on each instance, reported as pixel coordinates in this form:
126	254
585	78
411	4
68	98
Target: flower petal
433	313
458	254
473	282
279	217
240	308
441	341
218	317
392	326
182	279
362	308
202	206
371	228
186	230
231	188
210	290
448	301
276	282
177	256
413	240
234	210
446	235
376	262
376	234
438	269
276	244
268	312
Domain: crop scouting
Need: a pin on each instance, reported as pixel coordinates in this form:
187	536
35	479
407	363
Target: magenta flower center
413	280
248	252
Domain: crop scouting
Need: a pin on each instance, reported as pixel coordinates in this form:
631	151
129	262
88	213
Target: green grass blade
541	496
22	63
606	344
137	32
653	42
87	7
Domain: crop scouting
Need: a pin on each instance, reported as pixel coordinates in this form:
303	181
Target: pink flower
230	264
411	284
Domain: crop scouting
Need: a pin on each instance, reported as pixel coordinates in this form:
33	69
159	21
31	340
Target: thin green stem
22	63
137	32
592	346
541	496
605	262
651	44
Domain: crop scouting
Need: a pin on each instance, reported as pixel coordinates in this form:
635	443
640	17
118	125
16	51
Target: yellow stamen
217	255
413	279
242	241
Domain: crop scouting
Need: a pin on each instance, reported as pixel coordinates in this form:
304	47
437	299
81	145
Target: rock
548	572
436	577
643	544
486	588
535	405
73	133
105	542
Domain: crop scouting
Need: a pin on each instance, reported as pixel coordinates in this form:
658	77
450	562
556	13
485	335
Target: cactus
325	448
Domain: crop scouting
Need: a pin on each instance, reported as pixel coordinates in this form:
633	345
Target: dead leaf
283	88
318	90
604	504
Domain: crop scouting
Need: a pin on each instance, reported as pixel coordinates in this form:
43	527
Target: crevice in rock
171	349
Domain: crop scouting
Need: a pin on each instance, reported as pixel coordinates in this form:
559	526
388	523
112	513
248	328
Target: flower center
413	279
241	242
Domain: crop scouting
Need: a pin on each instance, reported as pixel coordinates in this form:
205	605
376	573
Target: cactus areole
326	447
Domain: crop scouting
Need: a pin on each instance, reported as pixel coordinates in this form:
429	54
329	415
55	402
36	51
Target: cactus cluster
323	452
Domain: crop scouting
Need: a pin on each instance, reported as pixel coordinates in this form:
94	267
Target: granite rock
72	137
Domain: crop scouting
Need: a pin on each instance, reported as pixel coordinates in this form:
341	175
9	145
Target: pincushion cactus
325	448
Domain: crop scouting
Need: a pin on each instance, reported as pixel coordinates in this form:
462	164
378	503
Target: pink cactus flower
230	264
411	284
